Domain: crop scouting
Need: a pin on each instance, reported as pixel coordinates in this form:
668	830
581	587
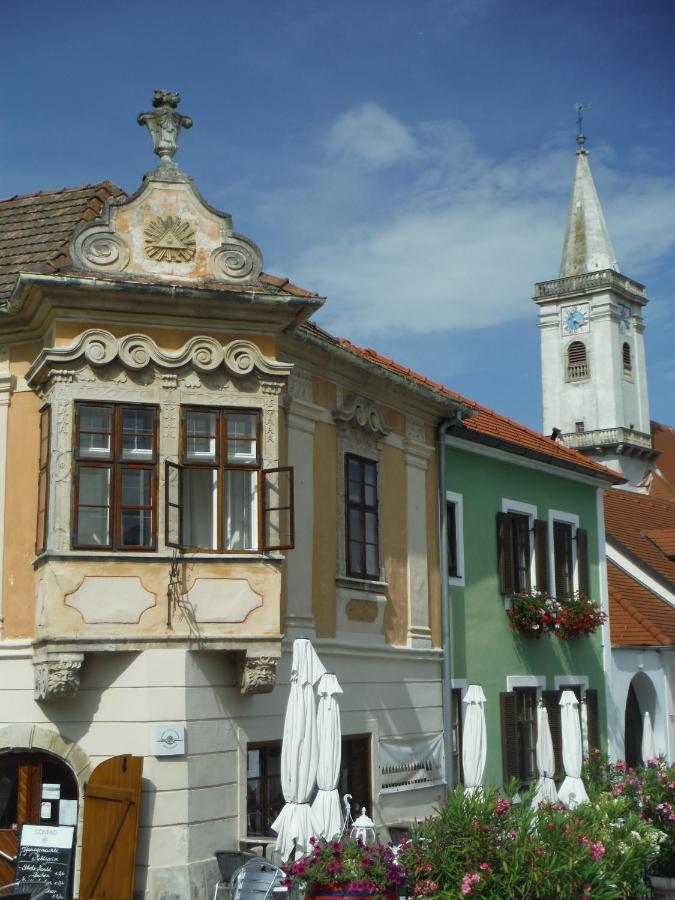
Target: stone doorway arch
641	698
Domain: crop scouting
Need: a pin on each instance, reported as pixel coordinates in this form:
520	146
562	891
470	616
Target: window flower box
536	613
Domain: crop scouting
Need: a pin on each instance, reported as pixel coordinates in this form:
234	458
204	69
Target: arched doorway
35	788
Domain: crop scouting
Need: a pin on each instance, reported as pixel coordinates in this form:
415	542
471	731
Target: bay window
115	477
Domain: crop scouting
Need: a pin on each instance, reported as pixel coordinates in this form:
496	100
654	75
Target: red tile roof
485	423
637	617
35	231
629	520
663	480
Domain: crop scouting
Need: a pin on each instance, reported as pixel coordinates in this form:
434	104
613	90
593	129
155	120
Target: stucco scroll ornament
257	674
237	260
100	248
57	677
363	413
164	124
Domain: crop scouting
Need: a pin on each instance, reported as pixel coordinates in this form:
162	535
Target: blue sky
409	159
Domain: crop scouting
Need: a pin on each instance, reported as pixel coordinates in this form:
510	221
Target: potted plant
536	613
578	616
346	868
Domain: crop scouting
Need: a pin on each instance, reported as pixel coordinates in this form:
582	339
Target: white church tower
594	377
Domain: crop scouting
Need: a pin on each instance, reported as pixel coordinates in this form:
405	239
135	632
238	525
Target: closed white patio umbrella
572	791
545	792
326	807
648	751
474	739
299	753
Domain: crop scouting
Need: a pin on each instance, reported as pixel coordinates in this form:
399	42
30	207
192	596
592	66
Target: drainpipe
446	670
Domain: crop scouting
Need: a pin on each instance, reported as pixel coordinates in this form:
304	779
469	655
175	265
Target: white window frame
458	501
529	510
524	681
557	515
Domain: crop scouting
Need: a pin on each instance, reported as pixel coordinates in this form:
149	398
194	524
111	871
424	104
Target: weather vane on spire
581	137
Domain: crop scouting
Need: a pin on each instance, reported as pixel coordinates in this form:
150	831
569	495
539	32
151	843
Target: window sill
157	556
362	584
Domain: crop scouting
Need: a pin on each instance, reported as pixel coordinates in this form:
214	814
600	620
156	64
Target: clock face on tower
574	319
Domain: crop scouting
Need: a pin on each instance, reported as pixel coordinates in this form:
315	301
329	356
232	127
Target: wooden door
22	776
112	801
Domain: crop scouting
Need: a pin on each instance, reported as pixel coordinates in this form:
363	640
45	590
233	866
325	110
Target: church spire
587	247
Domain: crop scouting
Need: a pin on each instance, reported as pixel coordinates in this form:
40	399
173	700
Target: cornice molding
136	352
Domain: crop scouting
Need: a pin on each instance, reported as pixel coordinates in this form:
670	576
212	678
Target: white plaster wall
659	668
195	804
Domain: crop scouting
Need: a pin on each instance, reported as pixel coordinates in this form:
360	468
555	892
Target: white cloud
370	134
449	237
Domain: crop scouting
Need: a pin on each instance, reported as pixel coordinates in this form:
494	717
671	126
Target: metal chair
24	890
255	880
228	863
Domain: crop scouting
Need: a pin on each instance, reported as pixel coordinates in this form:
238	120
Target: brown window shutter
592	719
541	553
505	553
551	702
582	561
510	766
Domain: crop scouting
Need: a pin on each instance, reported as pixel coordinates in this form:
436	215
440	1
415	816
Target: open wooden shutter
582	561
173	510
592	720
510	767
505	553
551	702
277	509
111	810
541	553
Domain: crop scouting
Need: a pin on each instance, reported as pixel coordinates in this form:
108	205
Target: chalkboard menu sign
46	855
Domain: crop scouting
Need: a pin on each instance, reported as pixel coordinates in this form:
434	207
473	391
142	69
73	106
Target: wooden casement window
219	498
577	362
457	735
519	733
115	480
43	481
563	558
362	517
513	553
453	549
551	702
583	571
626	359
264	797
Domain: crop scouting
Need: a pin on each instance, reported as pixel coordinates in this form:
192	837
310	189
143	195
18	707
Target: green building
524	514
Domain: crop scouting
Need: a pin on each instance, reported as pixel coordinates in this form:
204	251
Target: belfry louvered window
627	359
577	361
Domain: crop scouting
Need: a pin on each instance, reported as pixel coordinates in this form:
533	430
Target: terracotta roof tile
36	229
663	481
637	617
630	518
485	422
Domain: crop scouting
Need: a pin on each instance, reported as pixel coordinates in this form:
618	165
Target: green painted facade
484	649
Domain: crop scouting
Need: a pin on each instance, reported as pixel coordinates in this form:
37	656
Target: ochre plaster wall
433	557
20	513
394	542
325	529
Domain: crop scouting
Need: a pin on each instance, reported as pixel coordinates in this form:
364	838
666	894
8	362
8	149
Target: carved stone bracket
257	674
364	414
136	352
57	675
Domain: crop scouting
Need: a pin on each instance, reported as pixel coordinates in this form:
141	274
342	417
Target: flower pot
663	887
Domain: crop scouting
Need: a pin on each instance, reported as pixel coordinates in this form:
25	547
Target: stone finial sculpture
164	124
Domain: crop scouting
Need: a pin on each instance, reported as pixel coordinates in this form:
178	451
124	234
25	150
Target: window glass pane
240	526
371	528
200	435
370	495
95	418
200	508
370	473
136	528
241	437
92	527
355	533
136	419
355	564
372	567
94	487
137	446
354	491
136	487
